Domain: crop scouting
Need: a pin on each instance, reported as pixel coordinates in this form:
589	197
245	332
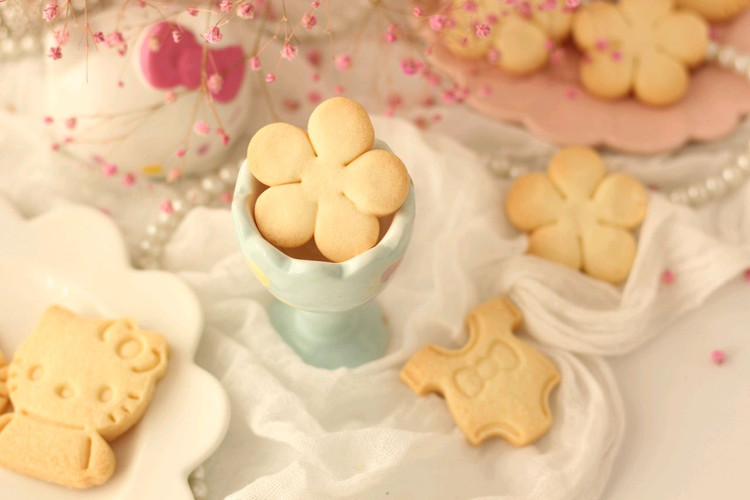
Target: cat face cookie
715	10
643	47
327	184
76	383
515	36
579	216
496	385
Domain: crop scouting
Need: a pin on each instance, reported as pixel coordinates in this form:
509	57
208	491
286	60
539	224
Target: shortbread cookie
578	216
641	46
75	384
3	380
518	36
715	10
496	385
327	184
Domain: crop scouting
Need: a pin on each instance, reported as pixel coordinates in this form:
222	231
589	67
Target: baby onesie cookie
76	383
578	216
715	10
3	381
641	46
327	184
518	33
496	385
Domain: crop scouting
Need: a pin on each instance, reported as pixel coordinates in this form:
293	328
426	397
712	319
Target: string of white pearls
197	482
189	194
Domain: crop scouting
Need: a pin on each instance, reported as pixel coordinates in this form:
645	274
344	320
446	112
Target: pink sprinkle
270	78
411	66
180	153
192	11
338	89
668	277
226	196
201	128
109	169
438	22
309	21
493	56
343	62
617	56
55	53
50	11
470	6
601	44
246	11
48	120
417	12
170	96
255	63
214	83
225	5
718	357
289	52
213	35
166	207
71	123
128	179
482	30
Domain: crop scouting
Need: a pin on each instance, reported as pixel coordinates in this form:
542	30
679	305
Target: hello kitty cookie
327	184
76	383
496	385
643	47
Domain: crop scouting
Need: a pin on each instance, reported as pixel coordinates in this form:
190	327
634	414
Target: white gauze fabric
302	432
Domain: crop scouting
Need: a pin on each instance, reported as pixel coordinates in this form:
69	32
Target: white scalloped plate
76	257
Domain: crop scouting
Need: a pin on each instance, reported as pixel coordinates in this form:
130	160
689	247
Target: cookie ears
140	350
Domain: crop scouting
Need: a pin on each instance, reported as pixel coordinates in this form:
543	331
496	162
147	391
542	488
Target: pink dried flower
170	96
55	147
270	78
55	53
470	6
617	55
524	8
493	56
668	277
438	22
484	91
50	11
315	77
71	123
213	35
255	63
549	44
98	37
224	136
602	43
203	149
226	197
747	275
201	128
174	174
411	66
343	62
390	34
314	97
571	93
128	179
109	170
417	12
166	207
61	36
482	30
214	83
718	357
315	4
309	21
338	89
571	5
192	11
180	153
114	39
557	57
313	57
225	5
289	52
246	11
48	120
547	5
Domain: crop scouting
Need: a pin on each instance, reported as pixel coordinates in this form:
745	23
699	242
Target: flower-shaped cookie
578	216
327	183
643	46
715	10
519	32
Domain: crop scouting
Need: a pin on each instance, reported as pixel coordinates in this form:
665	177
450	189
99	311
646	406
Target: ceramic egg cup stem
332	339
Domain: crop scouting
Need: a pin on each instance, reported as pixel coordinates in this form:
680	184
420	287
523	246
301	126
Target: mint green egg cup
324	310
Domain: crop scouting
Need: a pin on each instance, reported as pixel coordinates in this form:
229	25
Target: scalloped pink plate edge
552	105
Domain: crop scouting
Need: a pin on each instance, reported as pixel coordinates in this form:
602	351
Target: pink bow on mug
168	61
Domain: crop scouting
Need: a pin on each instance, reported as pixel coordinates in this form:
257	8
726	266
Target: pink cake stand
552	105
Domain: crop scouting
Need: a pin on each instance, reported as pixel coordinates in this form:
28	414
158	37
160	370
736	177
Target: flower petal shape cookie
75	384
578	216
327	184
496	385
519	33
3	380
715	10
641	46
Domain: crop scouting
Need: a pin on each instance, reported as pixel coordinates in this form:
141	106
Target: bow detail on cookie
169	60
